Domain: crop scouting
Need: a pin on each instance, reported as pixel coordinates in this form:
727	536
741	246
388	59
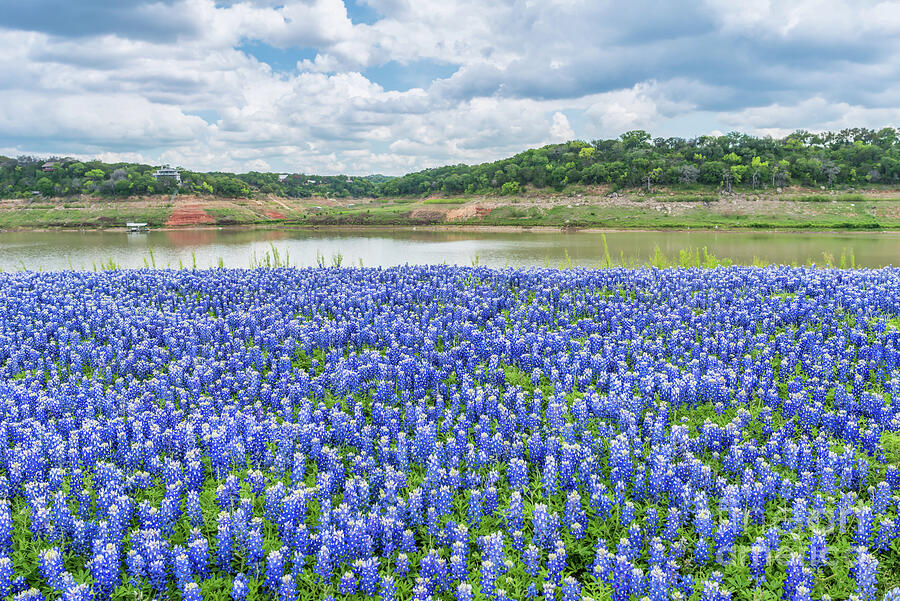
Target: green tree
738	172
637	138
230	187
122	187
510	188
44	186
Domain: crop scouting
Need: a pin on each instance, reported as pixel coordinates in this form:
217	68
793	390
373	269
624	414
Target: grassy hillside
795	208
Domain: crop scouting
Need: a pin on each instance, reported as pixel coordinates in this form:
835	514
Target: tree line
851	157
61	177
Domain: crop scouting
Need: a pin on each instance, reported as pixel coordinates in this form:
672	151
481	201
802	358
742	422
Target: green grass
640	216
234	215
443	201
827	198
82	217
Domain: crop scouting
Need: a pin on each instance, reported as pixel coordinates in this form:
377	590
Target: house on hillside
49	166
168	172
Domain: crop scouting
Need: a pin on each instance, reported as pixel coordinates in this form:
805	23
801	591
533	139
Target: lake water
243	247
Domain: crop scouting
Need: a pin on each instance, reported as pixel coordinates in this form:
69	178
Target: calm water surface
241	247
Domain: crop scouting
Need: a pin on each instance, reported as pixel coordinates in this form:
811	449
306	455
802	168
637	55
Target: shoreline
795	210
461	228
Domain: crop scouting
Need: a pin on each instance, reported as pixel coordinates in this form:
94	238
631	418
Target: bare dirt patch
189	215
274	214
468	212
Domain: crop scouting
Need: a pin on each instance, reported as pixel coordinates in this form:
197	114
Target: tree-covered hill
27	175
856	157
850	157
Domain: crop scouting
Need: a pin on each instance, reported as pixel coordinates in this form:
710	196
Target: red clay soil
275	215
189	215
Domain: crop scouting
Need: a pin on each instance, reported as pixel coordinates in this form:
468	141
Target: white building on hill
168	172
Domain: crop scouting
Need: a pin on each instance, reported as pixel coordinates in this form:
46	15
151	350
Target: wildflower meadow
450	433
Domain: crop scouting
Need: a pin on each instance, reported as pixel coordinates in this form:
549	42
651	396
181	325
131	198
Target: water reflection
238	247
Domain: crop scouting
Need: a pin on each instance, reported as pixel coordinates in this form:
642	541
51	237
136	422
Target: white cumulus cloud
303	85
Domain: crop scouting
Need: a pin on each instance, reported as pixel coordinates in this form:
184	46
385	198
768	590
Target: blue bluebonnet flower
571	589
865	572
348	583
532	560
759	557
31	594
459	571
193	508
621	579
104	567
287	589
275	561
198	551
323	566
255	552
892	595
489	574
658	585
865	520
556	562
795	576
628	514
239	588
6	527
6	576
817	554
76	592
712	591
463	592
51	566
549	591
192	592
182	567
402	564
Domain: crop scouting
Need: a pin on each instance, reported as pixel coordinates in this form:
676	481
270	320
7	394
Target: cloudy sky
390	86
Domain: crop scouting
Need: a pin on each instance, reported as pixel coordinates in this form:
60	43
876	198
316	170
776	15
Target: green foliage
843	158
510	188
443	201
21	176
44	186
851	157
230	187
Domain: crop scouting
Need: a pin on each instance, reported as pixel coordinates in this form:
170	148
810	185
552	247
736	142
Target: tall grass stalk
607	260
271	259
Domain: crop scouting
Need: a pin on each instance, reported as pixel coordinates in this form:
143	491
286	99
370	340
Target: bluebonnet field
450	433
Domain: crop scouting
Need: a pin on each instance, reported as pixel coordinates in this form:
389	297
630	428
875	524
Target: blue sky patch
210	116
401	77
361	13
282	60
